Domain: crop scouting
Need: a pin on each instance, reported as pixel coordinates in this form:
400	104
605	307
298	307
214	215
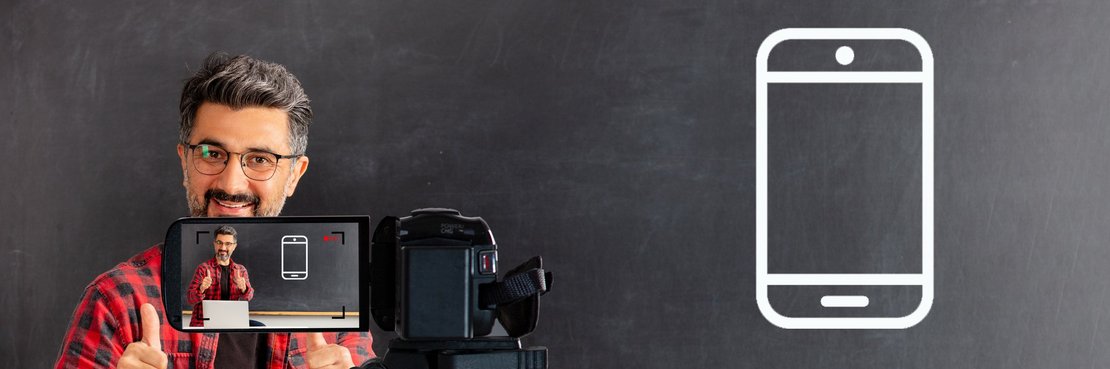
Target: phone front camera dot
845	55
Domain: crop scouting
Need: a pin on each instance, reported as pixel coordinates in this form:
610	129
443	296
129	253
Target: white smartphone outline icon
294	244
925	279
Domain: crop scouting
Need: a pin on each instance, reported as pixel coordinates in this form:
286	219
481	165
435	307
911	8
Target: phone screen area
845	185
268	274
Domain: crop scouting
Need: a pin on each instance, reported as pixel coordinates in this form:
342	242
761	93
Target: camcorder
432	277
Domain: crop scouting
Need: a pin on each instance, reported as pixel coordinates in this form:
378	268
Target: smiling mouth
232	205
221	203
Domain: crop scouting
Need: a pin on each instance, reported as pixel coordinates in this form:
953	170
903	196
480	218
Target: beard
223	257
198	206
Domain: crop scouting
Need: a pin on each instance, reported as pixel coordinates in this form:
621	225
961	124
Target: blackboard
615	138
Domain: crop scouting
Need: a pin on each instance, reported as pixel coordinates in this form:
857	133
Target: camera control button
487	262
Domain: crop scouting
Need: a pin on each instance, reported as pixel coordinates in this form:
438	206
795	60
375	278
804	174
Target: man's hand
241	281
321	355
207	281
147	353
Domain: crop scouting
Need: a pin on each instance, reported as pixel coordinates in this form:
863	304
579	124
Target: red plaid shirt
107	320
212	268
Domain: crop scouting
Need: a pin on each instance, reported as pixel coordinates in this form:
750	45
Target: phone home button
845	301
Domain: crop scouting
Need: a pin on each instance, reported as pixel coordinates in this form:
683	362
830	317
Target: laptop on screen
226	314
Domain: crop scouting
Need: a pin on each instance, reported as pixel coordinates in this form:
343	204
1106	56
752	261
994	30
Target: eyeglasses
257	164
222	243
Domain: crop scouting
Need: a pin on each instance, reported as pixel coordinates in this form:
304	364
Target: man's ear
299	167
181	155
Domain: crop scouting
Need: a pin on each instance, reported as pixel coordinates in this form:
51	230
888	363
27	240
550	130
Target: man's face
230	193
224	245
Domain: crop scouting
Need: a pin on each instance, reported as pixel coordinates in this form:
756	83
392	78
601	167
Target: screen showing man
306	270
219	278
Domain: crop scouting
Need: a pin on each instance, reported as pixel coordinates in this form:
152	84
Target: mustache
221	195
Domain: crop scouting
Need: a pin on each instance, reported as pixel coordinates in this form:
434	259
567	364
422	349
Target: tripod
479	353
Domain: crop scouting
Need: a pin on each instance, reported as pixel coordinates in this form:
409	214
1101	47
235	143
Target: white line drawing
297	248
845	301
844	57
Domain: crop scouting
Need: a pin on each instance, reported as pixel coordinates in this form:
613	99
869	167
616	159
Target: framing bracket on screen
344	313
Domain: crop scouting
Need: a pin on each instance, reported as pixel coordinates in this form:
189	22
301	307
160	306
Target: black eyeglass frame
242	156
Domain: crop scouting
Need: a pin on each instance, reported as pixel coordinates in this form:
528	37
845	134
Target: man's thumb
151	325
316	341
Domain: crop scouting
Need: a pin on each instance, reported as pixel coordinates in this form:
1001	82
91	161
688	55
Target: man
219	278
243	133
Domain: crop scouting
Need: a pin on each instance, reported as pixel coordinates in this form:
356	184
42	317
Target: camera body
434	281
427	269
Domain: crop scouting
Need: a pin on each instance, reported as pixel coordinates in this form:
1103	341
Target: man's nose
233	179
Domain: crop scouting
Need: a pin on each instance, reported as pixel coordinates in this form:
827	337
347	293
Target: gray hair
228	230
241	82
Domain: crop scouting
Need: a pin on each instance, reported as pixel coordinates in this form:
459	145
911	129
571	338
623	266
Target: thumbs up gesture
146	353
321	355
206	282
241	281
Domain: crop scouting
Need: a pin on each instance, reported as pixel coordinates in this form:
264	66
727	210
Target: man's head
244	131
225	241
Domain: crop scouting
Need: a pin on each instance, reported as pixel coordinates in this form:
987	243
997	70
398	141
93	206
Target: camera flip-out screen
267	274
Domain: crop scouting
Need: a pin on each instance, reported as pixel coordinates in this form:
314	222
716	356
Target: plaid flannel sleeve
94	339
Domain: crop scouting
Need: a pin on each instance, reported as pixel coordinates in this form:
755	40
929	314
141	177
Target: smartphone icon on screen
294	257
844	178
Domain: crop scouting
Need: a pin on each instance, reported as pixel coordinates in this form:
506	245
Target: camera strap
515	287
517	296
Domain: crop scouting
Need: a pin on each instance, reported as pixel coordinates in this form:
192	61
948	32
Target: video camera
434	281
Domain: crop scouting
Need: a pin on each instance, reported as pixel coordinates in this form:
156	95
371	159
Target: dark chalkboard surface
615	138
